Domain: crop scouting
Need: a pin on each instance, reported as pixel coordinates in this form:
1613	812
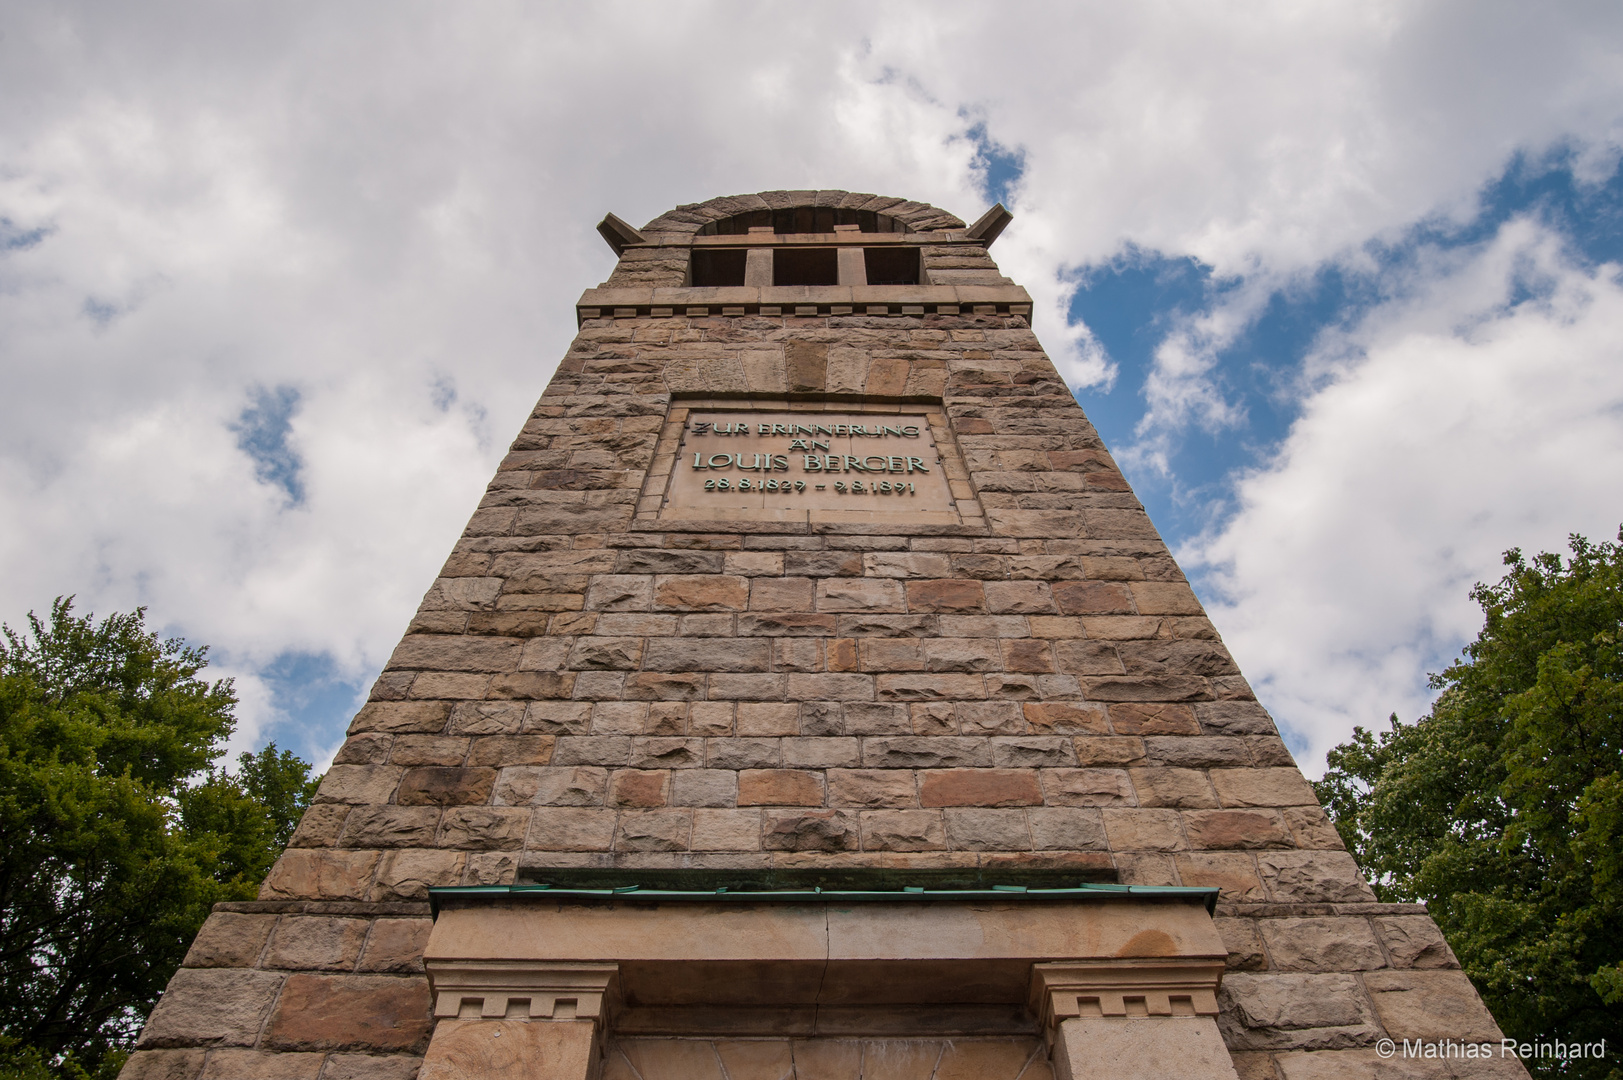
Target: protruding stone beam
990	225
619	235
518	1020
1132	1019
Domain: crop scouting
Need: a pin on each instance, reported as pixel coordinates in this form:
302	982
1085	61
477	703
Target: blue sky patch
14	237
315	698
262	429
1003	167
1135	301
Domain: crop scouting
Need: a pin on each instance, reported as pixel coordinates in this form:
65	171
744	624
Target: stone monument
810	697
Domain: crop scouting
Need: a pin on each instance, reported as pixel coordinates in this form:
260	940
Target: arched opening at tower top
804	219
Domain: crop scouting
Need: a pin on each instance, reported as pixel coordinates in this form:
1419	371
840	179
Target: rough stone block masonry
810	696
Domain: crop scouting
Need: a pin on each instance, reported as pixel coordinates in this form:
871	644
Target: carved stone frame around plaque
910	474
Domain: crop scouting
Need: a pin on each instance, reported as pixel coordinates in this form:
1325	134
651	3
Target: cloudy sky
1338	282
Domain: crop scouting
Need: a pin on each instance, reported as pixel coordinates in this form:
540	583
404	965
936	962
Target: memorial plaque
801	465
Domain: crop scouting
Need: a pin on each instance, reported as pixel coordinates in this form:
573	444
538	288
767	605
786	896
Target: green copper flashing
1086	891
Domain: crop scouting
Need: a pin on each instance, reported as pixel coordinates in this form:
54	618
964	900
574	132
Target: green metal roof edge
1084	891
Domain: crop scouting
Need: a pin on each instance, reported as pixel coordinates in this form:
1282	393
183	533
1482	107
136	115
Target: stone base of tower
573	984
361	991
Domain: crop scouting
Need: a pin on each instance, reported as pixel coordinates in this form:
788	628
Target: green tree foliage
1502	810
117	830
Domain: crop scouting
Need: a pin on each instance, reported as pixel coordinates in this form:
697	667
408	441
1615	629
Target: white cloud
1453	425
362	201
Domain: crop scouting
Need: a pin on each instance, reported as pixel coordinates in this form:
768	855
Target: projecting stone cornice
808	300
809	964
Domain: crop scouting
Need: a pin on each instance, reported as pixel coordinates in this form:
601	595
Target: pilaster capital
1125	988
522	989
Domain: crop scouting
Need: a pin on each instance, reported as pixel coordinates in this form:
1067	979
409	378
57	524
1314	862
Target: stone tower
810	697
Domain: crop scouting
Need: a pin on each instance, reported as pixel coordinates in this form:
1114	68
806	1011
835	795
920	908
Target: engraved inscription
785	464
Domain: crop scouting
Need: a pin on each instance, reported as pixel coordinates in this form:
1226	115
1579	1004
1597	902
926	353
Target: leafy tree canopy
118	830
1502	810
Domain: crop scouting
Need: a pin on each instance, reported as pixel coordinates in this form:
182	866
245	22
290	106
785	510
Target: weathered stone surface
726	830
1087	787
483	828
467	1048
396	946
1310	828
640	787
163	1065
989	830
1244	944
408	875
402	716
1313	877
316	943
1108	750
1334	1064
580	785
1067	829
1188	788
930	752
810	830
1147	1048
1068	718
230	939
443	652
571	829
506	750
704	787
871	789
1262	787
261	1065
371	1067
368	748
780	787
1295	1011
1236	830
1093	598
390	826
701	593
1234	874
1430	1005
980	787
440	786
945	595
1234	718
1025	752
1413	941
304	874
1144	830
903	830
351	1012
1333	944
653	830
1137	718
211	1007
359	784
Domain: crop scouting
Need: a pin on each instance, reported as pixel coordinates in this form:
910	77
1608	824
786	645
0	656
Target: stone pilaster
501	1020
1132	1020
